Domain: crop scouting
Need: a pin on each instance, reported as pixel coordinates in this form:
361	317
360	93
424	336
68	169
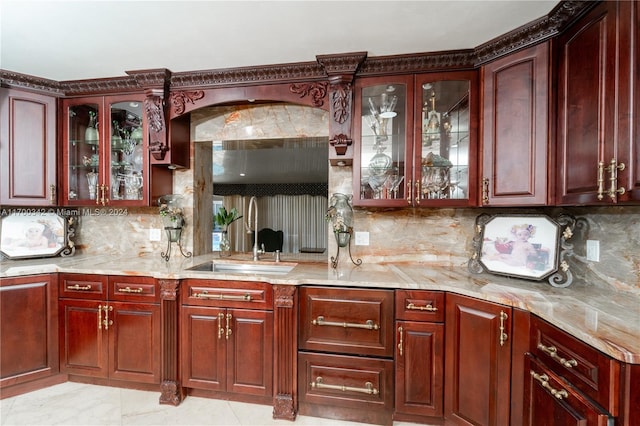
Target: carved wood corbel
154	108
285	368
341	70
170	387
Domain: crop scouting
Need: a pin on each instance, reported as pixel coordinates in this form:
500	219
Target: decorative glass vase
91	133
225	244
341	217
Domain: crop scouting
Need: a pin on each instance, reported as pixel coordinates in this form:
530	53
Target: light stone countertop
597	314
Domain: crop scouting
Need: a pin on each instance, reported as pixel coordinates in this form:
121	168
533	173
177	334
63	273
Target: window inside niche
277	152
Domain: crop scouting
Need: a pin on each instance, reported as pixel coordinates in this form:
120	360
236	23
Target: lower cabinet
478	362
419	355
28	333
227	338
345	354
550	400
110	328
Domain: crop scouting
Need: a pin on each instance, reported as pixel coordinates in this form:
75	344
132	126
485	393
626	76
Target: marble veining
607	320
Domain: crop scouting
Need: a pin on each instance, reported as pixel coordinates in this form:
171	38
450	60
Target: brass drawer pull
221	296
130	290
544	381
220	327
503	336
552	351
369	324
368	389
429	307
401	344
77	287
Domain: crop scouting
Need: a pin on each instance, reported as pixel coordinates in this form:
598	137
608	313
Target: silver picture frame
32	234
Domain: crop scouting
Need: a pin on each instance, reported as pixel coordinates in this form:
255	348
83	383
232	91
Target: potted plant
223	219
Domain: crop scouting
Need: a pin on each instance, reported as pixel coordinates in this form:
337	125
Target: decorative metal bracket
334	260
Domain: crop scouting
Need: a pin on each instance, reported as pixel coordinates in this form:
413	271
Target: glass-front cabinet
105	151
416	140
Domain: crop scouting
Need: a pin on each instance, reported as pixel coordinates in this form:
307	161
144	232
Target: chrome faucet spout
253	202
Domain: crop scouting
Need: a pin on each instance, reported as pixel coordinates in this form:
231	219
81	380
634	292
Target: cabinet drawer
352	321
83	286
133	289
345	381
420	305
550	400
231	294
594	373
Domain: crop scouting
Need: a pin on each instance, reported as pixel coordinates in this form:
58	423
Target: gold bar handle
613	179
601	180
99	317
369	324
485	191
552	351
418	191
503	335
368	387
409	191
77	287
544	381
221	296
52	194
130	290
106	321
228	326
220	327
400	331
429	307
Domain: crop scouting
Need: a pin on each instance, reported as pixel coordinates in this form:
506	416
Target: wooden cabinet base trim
31	386
171	393
229	396
431	421
284	407
348	414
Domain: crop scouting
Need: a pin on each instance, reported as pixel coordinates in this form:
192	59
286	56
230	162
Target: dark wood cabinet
27	148
419	357
28	333
550	400
345	353
227	338
515	129
597	131
478	362
103	334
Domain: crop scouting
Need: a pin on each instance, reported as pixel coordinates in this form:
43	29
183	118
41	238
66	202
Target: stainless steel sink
244	267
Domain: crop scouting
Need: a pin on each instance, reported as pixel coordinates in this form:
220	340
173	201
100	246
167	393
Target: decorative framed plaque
32	234
532	247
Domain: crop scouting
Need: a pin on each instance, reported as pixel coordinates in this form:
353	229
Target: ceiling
72	40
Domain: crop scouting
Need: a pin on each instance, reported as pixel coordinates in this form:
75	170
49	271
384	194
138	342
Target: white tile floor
80	404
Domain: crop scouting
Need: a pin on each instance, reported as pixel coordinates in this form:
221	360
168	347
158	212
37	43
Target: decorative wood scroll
317	91
179	100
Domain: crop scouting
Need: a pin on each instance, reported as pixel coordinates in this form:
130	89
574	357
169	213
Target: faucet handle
276	254
262	248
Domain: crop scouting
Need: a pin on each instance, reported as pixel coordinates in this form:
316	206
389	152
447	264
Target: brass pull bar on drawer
221	296
369	324
544	381
412	307
368	389
77	287
552	351
130	290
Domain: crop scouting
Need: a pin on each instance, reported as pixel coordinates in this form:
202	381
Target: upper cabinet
106	160
27	148
515	129
597	128
416	140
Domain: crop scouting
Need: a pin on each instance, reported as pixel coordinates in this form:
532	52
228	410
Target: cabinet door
28	329
515	129
549	400
419	368
383	137
203	348
134	342
249	351
445	143
587	106
84	337
82	136
477	362
27	148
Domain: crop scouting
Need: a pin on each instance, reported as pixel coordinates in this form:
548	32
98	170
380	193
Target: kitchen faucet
256	252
